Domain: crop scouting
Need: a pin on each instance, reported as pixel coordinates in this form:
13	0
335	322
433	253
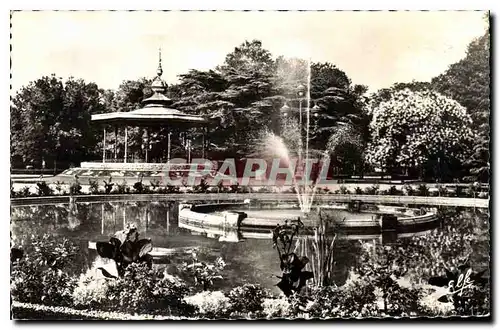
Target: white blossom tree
412	128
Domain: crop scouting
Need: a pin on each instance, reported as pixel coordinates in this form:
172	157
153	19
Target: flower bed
42	189
43	287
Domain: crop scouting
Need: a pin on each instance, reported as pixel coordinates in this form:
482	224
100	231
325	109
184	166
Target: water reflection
463	233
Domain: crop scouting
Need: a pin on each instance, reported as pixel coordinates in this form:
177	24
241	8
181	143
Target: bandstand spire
160	70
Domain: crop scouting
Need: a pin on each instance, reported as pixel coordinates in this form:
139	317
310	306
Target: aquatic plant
126	248
203	273
293	277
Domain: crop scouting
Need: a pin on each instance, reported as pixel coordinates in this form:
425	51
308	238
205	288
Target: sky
375	49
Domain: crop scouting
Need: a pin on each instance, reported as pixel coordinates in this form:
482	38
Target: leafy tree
468	82
249	72
336	104
415	129
50	120
201	93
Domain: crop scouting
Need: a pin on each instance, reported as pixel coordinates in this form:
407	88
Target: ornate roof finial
160	70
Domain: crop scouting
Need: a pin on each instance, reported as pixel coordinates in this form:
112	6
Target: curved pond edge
235	197
224	216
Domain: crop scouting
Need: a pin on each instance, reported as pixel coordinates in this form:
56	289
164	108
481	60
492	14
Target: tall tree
50	120
468	82
249	71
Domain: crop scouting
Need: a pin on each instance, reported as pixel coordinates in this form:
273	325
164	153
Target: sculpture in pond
293	277
125	248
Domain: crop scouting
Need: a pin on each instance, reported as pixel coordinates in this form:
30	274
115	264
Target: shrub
91	291
139	187
394	191
221	188
172	189
245	190
39	276
75	188
398	301
264	189
43	189
356	298
373	190
122	188
443	191
139	290
155	185
422	190
210	304
202	187
59	187
343	190
93	187
24	192
235	188
409	191
280	307
358	191
48	286
473	190
108	186
459	191
247	298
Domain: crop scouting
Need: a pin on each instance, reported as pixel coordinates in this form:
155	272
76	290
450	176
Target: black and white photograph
250	165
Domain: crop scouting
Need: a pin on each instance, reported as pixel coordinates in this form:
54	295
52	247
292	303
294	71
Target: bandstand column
203	144
126	145
116	142
168	145
147	144
104	145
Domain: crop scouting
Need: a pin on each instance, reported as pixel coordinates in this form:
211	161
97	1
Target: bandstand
155	114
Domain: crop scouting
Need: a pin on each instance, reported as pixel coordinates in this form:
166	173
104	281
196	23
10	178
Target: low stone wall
219	215
193	215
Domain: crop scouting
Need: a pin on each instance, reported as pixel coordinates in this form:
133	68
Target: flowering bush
139	290
39	277
210	304
355	298
247	298
91	291
412	127
276	307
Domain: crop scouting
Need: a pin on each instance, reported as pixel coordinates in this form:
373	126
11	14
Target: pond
461	236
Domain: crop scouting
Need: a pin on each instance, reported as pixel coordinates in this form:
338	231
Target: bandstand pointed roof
155	110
